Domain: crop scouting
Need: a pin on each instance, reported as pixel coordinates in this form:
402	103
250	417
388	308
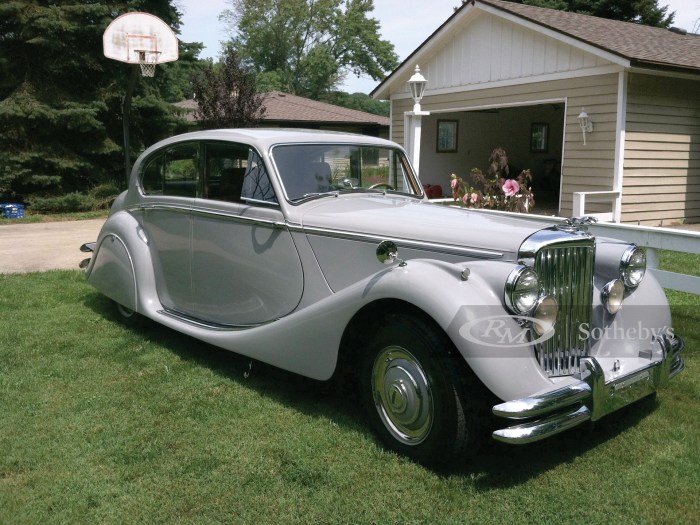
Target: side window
181	170
152	176
225	169
256	182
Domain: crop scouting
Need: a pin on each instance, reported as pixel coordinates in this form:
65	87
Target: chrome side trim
402	243
204	212
589	399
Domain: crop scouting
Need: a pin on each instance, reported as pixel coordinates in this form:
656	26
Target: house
519	77
290	111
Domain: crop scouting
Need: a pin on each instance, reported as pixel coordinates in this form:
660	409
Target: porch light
417	84
585	123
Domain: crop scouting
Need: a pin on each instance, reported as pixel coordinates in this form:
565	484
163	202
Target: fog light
545	315
612	295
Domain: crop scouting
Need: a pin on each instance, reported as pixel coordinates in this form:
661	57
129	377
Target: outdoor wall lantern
417	84
585	123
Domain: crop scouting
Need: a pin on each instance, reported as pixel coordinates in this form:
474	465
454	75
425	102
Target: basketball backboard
137	37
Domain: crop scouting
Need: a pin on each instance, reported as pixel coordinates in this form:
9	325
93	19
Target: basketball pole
126	110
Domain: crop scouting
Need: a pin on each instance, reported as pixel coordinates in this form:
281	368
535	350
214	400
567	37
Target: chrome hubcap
402	395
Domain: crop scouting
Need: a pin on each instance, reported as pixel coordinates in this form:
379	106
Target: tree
645	12
306	47
226	95
60	99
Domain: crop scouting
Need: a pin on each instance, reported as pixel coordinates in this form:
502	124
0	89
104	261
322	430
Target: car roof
264	138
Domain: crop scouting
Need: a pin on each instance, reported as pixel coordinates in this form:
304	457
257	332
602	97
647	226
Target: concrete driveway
45	246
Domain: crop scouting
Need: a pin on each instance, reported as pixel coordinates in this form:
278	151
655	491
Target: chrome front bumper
591	398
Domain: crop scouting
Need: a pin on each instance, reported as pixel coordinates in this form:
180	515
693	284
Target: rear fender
121	247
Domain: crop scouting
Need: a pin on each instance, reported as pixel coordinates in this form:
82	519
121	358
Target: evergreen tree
60	98
645	12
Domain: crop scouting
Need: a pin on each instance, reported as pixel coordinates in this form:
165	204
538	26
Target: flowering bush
495	190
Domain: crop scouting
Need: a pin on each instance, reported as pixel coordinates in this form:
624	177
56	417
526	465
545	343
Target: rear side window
152	178
173	171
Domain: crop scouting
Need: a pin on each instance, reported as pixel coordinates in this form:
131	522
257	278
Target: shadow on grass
497	466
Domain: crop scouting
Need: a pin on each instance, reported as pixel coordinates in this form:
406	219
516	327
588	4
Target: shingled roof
643	46
283	108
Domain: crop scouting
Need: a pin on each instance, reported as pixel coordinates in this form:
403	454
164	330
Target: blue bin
12	211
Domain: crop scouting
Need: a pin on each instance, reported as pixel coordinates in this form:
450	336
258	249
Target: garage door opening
532	136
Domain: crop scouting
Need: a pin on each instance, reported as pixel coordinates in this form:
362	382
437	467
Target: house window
447	136
539	138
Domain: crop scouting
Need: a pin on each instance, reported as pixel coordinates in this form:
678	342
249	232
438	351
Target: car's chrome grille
566	272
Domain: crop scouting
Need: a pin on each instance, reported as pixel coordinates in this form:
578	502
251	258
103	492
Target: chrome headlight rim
629	263
513	292
612	296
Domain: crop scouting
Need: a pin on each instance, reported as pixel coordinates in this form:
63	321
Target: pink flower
453	184
510	188
465	198
474	197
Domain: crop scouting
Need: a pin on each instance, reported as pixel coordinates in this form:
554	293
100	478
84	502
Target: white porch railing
650	237
581	198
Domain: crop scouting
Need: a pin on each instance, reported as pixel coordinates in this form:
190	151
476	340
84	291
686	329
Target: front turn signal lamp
612	295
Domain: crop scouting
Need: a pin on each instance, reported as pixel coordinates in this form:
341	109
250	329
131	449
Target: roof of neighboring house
643	46
283	107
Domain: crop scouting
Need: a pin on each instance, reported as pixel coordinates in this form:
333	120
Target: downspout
620	137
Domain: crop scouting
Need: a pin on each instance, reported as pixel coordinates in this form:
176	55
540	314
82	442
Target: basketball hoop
148	61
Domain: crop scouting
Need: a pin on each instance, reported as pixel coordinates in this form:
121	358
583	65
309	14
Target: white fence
650	237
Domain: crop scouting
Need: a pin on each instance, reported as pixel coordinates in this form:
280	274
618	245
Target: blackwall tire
419	394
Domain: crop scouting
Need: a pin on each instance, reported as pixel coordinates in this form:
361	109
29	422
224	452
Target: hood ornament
576	224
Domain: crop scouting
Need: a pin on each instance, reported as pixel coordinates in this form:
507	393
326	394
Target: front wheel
418	392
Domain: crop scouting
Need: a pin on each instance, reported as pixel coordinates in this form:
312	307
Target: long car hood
398	219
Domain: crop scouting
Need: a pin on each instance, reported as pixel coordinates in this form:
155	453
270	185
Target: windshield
312	170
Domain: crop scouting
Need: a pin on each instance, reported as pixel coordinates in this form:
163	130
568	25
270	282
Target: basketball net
147	61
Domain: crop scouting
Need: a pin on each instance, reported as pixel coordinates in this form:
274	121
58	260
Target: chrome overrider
591	398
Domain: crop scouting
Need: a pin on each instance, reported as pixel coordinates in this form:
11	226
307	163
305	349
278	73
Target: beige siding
585	168
662	151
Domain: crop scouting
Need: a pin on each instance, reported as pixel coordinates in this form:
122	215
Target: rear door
170	182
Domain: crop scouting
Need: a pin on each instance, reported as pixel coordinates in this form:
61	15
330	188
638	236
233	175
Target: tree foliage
645	12
60	98
306	47
226	95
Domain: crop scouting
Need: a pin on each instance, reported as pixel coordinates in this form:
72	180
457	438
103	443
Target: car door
170	182
245	266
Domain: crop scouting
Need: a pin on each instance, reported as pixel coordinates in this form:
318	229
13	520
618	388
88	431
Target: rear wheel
418	392
128	316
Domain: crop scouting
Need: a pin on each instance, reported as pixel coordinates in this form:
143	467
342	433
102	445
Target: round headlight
545	315
632	266
522	290
612	296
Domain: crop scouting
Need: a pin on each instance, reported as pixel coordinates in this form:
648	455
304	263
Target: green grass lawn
102	423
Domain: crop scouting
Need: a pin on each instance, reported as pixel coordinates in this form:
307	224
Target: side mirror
388	253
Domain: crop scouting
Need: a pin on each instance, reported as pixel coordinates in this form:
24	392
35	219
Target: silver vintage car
319	253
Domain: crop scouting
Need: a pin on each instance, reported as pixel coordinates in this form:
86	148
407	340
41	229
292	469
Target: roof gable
581	37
